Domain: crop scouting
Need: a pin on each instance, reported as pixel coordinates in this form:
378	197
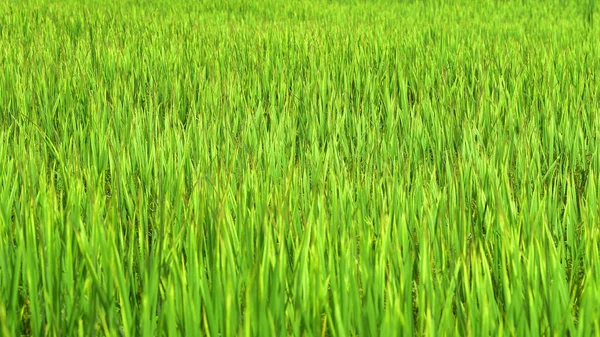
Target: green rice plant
300	168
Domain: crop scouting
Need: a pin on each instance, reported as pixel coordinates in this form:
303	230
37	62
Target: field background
299	168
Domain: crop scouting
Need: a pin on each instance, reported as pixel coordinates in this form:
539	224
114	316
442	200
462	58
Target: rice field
299	168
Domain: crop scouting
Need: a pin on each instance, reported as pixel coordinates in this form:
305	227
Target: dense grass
316	169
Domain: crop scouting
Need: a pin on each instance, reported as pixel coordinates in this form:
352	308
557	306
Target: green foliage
296	168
